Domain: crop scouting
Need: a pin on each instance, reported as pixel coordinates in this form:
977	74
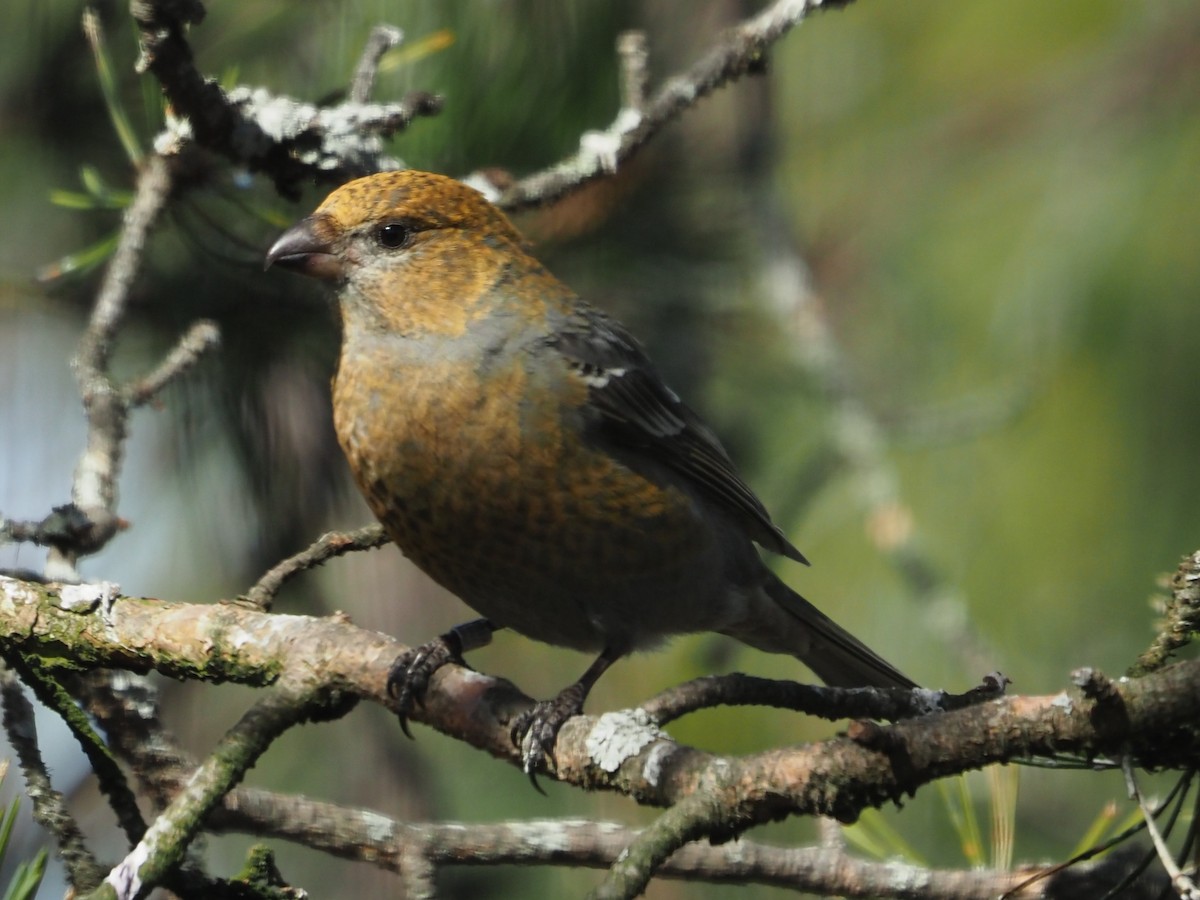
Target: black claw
533	781
535	731
533	754
410	673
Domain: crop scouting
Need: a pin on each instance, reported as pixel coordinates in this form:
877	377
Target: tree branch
741	52
94	489
382	39
1182	619
417	850
87	524
1152	719
891	704
202	337
162	848
49	808
284	138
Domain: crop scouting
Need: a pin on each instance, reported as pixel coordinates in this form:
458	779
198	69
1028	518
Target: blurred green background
932	278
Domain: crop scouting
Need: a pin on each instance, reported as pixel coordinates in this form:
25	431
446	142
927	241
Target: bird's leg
536	729
410	673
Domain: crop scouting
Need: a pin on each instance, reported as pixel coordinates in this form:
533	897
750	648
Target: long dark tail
834	654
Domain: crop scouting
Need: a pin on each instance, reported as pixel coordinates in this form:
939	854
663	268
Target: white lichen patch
87	597
124	877
16	593
653	769
556	835
379	829
259	632
603	148
619	735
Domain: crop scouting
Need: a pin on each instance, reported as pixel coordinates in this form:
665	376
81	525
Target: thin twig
91	359
1047	872
326	547
633	56
417	870
741	52
418	850
202	337
94	490
1182	884
383	38
126	708
736	689
1182	618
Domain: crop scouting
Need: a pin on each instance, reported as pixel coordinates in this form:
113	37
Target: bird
520	447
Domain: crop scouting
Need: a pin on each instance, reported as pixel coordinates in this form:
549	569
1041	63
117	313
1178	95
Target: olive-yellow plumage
518	445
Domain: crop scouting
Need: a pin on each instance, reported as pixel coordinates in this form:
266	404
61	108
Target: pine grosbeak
519	447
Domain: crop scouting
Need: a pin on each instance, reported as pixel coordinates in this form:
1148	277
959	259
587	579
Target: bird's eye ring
393	235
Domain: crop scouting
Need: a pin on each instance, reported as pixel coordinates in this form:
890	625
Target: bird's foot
409	676
535	730
410	673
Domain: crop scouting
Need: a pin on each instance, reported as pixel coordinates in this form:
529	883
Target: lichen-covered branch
740	52
382	39
112	782
49	807
1181	619
292	141
289	140
417	849
162	848
1151	719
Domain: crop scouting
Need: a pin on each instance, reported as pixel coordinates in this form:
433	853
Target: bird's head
387	215
399	241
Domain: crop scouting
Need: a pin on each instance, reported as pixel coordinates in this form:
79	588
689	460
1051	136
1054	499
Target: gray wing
639	411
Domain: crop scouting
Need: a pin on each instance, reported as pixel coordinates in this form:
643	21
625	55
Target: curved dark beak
306	248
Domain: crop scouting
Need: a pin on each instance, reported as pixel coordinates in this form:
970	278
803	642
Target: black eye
393	235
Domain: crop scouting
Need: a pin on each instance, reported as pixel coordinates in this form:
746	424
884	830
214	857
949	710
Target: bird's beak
305	248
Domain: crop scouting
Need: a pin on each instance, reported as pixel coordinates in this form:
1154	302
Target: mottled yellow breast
483	479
